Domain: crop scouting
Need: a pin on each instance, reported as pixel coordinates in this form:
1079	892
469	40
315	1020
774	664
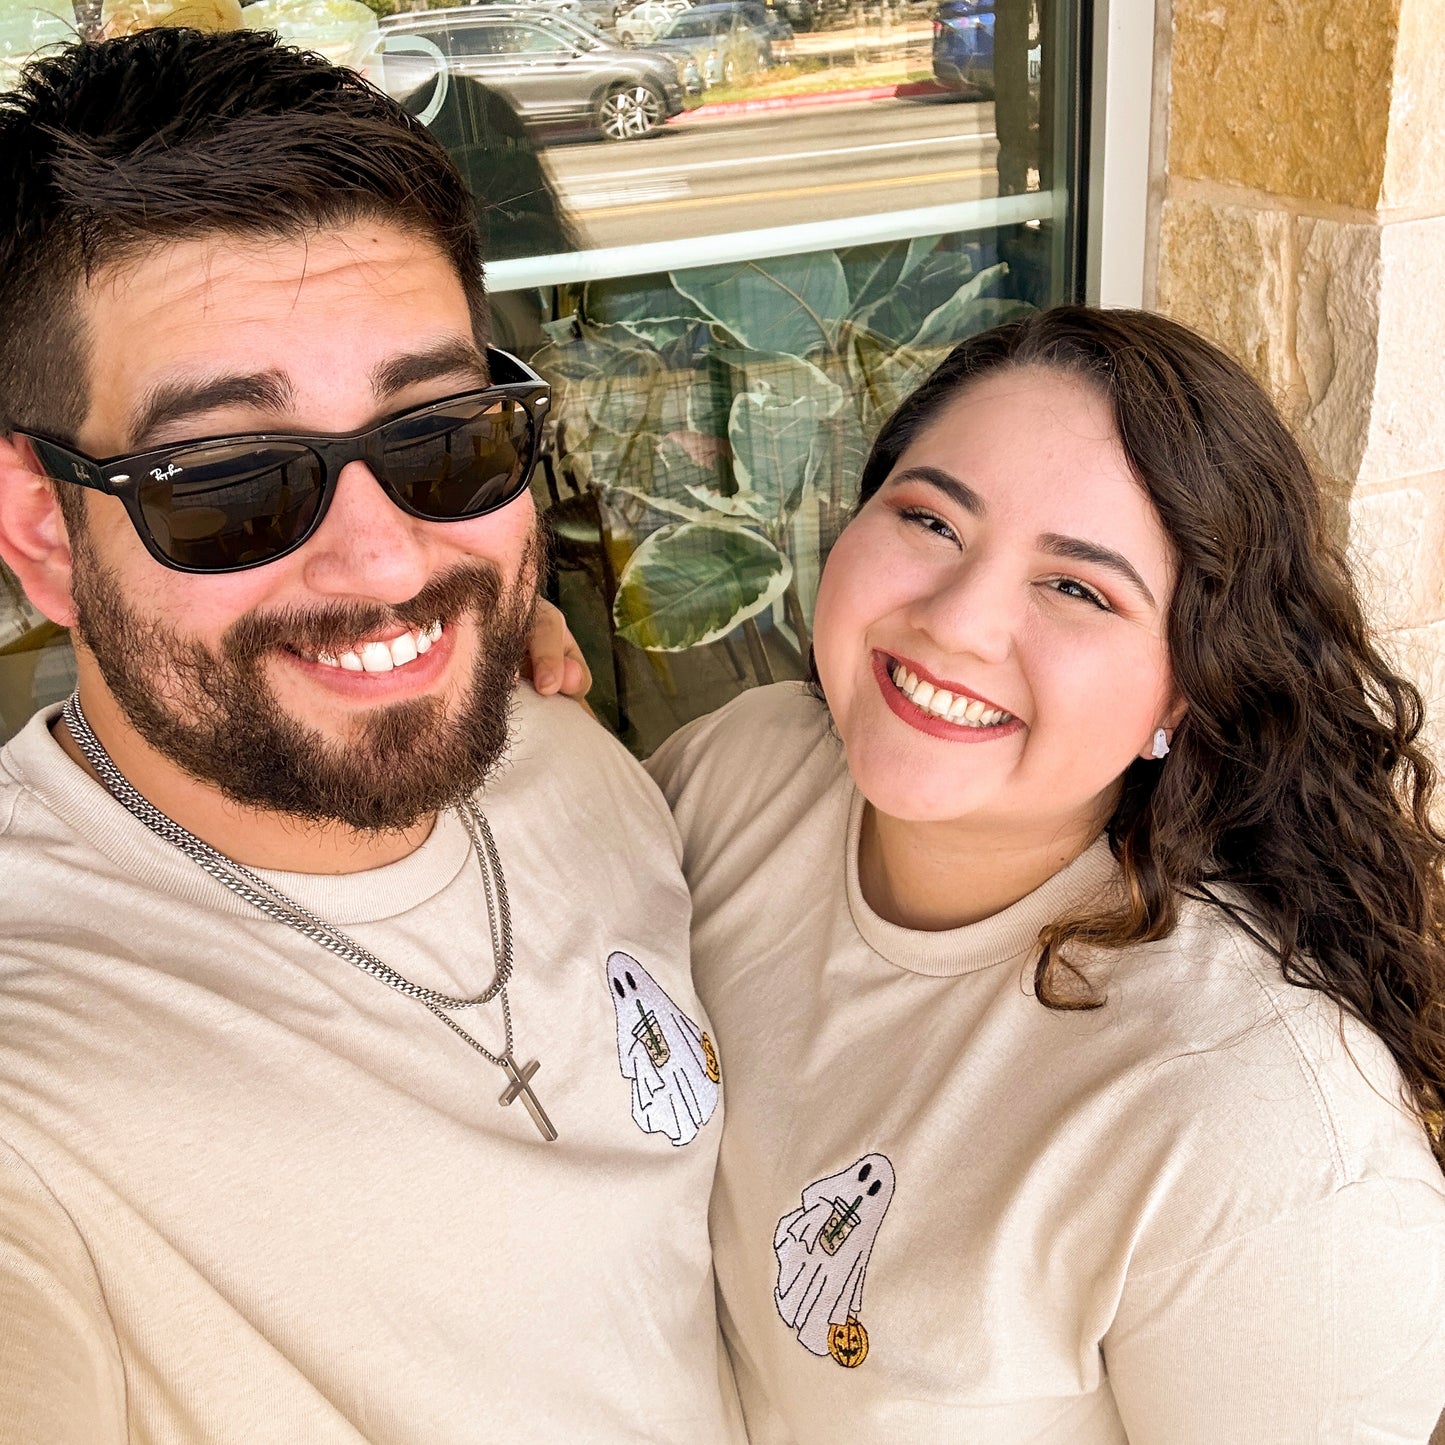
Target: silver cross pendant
521	1088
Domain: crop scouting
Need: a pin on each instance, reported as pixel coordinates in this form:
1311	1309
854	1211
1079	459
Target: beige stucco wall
1303	226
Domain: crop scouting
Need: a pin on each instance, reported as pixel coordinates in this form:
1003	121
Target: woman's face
990	628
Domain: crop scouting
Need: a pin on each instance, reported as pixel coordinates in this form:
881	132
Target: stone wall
1303	227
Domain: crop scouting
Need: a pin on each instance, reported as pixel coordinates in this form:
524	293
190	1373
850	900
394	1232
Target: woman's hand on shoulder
554	662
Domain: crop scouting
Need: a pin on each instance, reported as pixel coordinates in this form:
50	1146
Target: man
295	895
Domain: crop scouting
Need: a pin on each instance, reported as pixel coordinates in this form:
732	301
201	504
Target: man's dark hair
110	149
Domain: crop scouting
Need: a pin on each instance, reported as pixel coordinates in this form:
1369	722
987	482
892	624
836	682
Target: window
728	311
463	40
533	40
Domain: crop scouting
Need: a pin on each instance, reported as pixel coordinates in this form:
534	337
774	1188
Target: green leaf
880	376
693	583
665	335
623	395
693	463
776	373
872	271
637	298
921	249
748	506
790	303
607	459
963	314
898	315
777	447
668	506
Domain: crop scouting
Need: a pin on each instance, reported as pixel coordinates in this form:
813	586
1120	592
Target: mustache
474	587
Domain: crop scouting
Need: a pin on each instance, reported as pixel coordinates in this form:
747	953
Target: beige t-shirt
946	1213
250	1194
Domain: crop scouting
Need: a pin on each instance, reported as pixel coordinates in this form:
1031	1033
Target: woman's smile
941	709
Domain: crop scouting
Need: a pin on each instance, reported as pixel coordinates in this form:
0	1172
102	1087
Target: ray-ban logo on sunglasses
164	474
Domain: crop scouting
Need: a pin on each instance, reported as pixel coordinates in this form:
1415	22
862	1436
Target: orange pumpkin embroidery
848	1343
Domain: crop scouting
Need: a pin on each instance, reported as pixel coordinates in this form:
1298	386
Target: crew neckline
42	768
1008	935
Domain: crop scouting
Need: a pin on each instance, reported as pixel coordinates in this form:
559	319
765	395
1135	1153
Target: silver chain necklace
271	901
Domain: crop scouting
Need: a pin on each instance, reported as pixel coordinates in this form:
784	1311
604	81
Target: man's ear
34	542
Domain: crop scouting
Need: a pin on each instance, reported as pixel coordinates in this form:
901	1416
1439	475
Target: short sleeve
61	1379
1324	1327
668	767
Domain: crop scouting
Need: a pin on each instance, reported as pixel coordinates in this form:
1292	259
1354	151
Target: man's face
232	676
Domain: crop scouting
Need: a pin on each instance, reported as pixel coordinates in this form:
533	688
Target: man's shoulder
556	736
564	769
32	832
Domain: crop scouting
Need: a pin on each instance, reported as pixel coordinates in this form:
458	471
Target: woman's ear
1162	738
34	542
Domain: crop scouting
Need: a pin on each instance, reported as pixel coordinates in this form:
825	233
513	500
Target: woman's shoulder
747	745
743	781
1278	1094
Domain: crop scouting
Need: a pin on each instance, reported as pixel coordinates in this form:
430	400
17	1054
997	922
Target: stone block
1370	339
1407	422
1394	548
1415	154
1336	338
1419	653
1287	96
1225	271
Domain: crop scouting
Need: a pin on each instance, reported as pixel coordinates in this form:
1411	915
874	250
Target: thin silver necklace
271	901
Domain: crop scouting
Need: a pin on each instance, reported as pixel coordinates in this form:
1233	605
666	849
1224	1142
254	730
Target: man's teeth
384	656
967	712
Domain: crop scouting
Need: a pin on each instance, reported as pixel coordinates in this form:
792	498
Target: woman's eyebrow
1075	549
947	483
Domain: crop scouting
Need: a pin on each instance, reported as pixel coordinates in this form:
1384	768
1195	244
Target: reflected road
815	163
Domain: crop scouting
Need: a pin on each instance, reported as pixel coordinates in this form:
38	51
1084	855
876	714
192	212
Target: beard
214	714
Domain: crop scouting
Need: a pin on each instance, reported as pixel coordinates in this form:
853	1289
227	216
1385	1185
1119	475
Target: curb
906	90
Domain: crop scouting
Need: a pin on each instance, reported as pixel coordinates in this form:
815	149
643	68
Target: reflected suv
553	69
963	46
727	41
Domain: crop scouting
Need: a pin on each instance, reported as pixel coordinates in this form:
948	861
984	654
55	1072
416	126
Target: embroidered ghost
823	1251
671	1062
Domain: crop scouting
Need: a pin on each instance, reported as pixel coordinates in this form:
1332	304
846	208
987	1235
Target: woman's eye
929	521
1072	587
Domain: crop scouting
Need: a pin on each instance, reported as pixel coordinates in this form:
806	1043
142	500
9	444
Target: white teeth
376	657
384	656
941	702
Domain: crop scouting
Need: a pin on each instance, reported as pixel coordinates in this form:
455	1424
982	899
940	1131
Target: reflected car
556	71
963	46
726	42
641	24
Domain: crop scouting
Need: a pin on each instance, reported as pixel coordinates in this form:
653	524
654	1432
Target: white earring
1161	743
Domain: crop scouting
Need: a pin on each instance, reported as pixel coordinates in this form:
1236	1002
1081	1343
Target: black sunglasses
225	504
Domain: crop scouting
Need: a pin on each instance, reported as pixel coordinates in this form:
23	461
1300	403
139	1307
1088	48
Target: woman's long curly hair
1296	781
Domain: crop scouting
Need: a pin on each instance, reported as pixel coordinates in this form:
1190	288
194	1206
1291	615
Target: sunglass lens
212	508
450	464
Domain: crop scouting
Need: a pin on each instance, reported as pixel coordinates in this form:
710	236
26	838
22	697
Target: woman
1078	964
